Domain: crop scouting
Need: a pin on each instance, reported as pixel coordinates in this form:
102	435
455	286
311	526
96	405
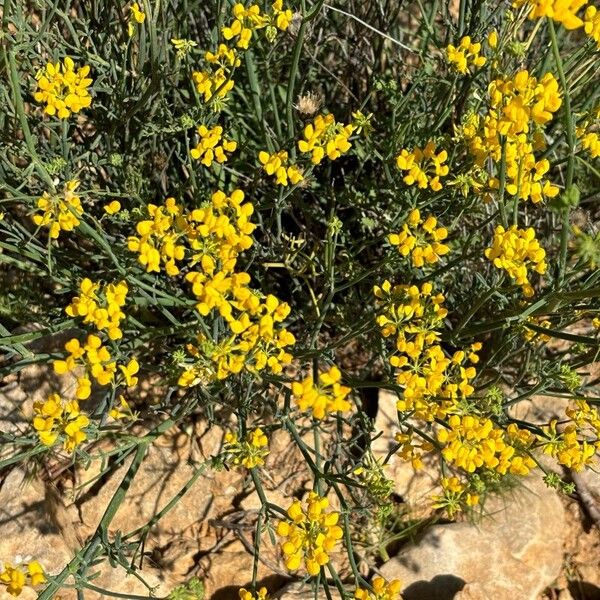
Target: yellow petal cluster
325	137
591	23
326	397
55	417
588	132
97	363
15	579
63	89
157	242
433	379
277	164
421	239
471	443
423	167
209	239
100	306
466	56
310	534
517	251
249	452
576	443
59	212
561	11
519	108
212	146
382	590
217	79
261	594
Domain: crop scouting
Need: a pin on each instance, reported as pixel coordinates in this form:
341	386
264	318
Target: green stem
570	133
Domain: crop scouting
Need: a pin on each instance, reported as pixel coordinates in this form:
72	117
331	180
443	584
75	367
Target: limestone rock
514	552
414	487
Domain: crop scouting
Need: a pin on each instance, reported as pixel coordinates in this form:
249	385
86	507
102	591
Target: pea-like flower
310	534
59	212
516	251
249	452
466	56
423	167
421	239
63	89
382	590
326	397
213	146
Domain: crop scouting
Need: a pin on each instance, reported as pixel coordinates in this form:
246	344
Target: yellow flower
55	417
310	534
62	89
423	167
421	239
250	452
261	594
465	56
591	23
562	11
277	164
61	212
112	208
15	579
382	590
326	397
515	251
325	137
212	146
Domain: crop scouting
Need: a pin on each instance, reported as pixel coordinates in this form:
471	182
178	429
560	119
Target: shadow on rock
581	590
441	587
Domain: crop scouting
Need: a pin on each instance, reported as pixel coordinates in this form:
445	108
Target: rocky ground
534	544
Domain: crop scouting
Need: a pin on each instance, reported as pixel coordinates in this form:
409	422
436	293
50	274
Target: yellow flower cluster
55	417
16	579
212	237
62	89
588	132
471	442
432	380
217	78
277	164
465	56
382	590
523	98
561	11
212	146
59	212
249	452
455	496
104	313
576	444
310	534
423	167
325	137
261	594
328	396
519	108
516	251
422	239
157	239
98	364
591	23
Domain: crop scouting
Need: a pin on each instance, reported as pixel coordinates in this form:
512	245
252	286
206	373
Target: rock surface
515	552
